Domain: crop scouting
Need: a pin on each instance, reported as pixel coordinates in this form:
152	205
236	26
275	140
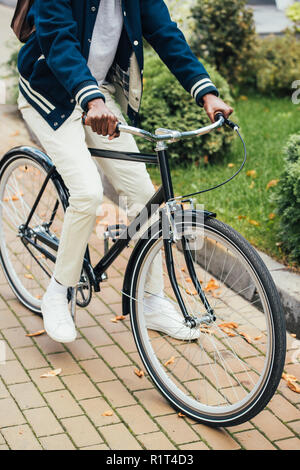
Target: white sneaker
161	315
58	321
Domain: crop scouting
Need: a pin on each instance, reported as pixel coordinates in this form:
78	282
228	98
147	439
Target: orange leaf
231	165
211	285
294	387
272	183
51	373
181	415
114	320
188	279
120	317
191	292
139	373
240	217
289	377
28	276
272	216
258	337
247	337
170	361
251	173
37	333
107	413
230	324
254	222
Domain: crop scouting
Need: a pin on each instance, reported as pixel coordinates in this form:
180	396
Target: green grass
265	124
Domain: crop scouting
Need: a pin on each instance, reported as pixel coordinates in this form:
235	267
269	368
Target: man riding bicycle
87	56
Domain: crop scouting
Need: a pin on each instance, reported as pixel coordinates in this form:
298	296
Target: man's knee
87	200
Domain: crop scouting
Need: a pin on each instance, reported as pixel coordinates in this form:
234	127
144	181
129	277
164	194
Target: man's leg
67	148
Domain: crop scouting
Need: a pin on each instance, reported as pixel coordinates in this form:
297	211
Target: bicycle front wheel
230	372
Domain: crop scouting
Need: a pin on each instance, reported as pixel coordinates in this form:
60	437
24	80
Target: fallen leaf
228	331
258	337
139	373
28	276
289	377
114	320
272	183
183	269
251	173
181	415
14	134
251	186
243	98
107	413
120	317
191	292
294	387
170	361
211	285
202	329
6	199
293	335
230	324
37	333
51	373
231	165
272	216
241	217
247	337
253	222
188	279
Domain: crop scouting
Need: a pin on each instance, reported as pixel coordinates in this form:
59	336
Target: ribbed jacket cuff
86	92
202	85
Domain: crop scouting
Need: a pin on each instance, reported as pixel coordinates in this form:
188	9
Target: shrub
293	13
225	36
166	104
277	64
288	200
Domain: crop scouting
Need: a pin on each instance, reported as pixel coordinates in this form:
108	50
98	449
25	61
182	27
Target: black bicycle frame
164	194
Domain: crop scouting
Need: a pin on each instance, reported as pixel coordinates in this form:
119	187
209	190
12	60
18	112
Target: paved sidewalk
65	412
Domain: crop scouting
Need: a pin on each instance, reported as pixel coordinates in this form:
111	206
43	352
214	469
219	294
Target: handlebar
173	135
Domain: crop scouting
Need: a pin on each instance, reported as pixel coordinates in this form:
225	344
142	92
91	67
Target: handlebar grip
218	116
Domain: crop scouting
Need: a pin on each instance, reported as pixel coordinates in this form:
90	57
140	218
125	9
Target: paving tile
82	431
84	318
118	437
57	442
177	429
267	423
80	386
8	319
65	362
95	407
10	415
114	356
254	440
21	438
195	446
289	444
110	326
43	421
45	384
31	358
133	382
96	336
217	439
14	304
116	393
63	404
156	441
137	419
283	409
4	393
47	345
96	447
16	337
12	372
154	402
97	370
4	447
27	395
81	350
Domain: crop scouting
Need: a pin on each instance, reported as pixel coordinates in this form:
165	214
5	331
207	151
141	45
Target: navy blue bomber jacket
54	75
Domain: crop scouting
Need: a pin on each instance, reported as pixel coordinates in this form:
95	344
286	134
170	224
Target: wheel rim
19	186
211	379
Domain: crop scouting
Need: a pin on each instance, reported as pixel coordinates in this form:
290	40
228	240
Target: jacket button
63	116
55	124
93	9
136	43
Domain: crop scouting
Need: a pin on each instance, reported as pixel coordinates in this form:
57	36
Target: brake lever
228	123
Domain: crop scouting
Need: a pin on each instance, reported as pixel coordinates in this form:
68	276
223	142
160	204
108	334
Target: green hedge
288	200
166	104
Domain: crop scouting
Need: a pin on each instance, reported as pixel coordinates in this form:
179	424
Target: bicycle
211	274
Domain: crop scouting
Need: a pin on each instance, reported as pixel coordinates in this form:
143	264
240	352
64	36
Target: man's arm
56	32
170	44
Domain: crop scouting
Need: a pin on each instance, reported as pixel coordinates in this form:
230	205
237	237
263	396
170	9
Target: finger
115	135
112	124
104	125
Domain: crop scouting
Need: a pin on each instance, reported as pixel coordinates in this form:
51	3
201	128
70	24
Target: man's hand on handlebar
101	119
214	105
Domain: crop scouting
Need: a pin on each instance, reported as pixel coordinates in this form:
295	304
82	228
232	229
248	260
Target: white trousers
68	149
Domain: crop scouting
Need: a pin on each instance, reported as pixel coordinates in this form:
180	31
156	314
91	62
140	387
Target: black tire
276	354
41	164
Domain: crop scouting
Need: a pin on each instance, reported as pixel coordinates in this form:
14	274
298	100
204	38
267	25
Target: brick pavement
66	411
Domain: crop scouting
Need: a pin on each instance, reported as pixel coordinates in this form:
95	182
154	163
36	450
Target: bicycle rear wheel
27	269
227	375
